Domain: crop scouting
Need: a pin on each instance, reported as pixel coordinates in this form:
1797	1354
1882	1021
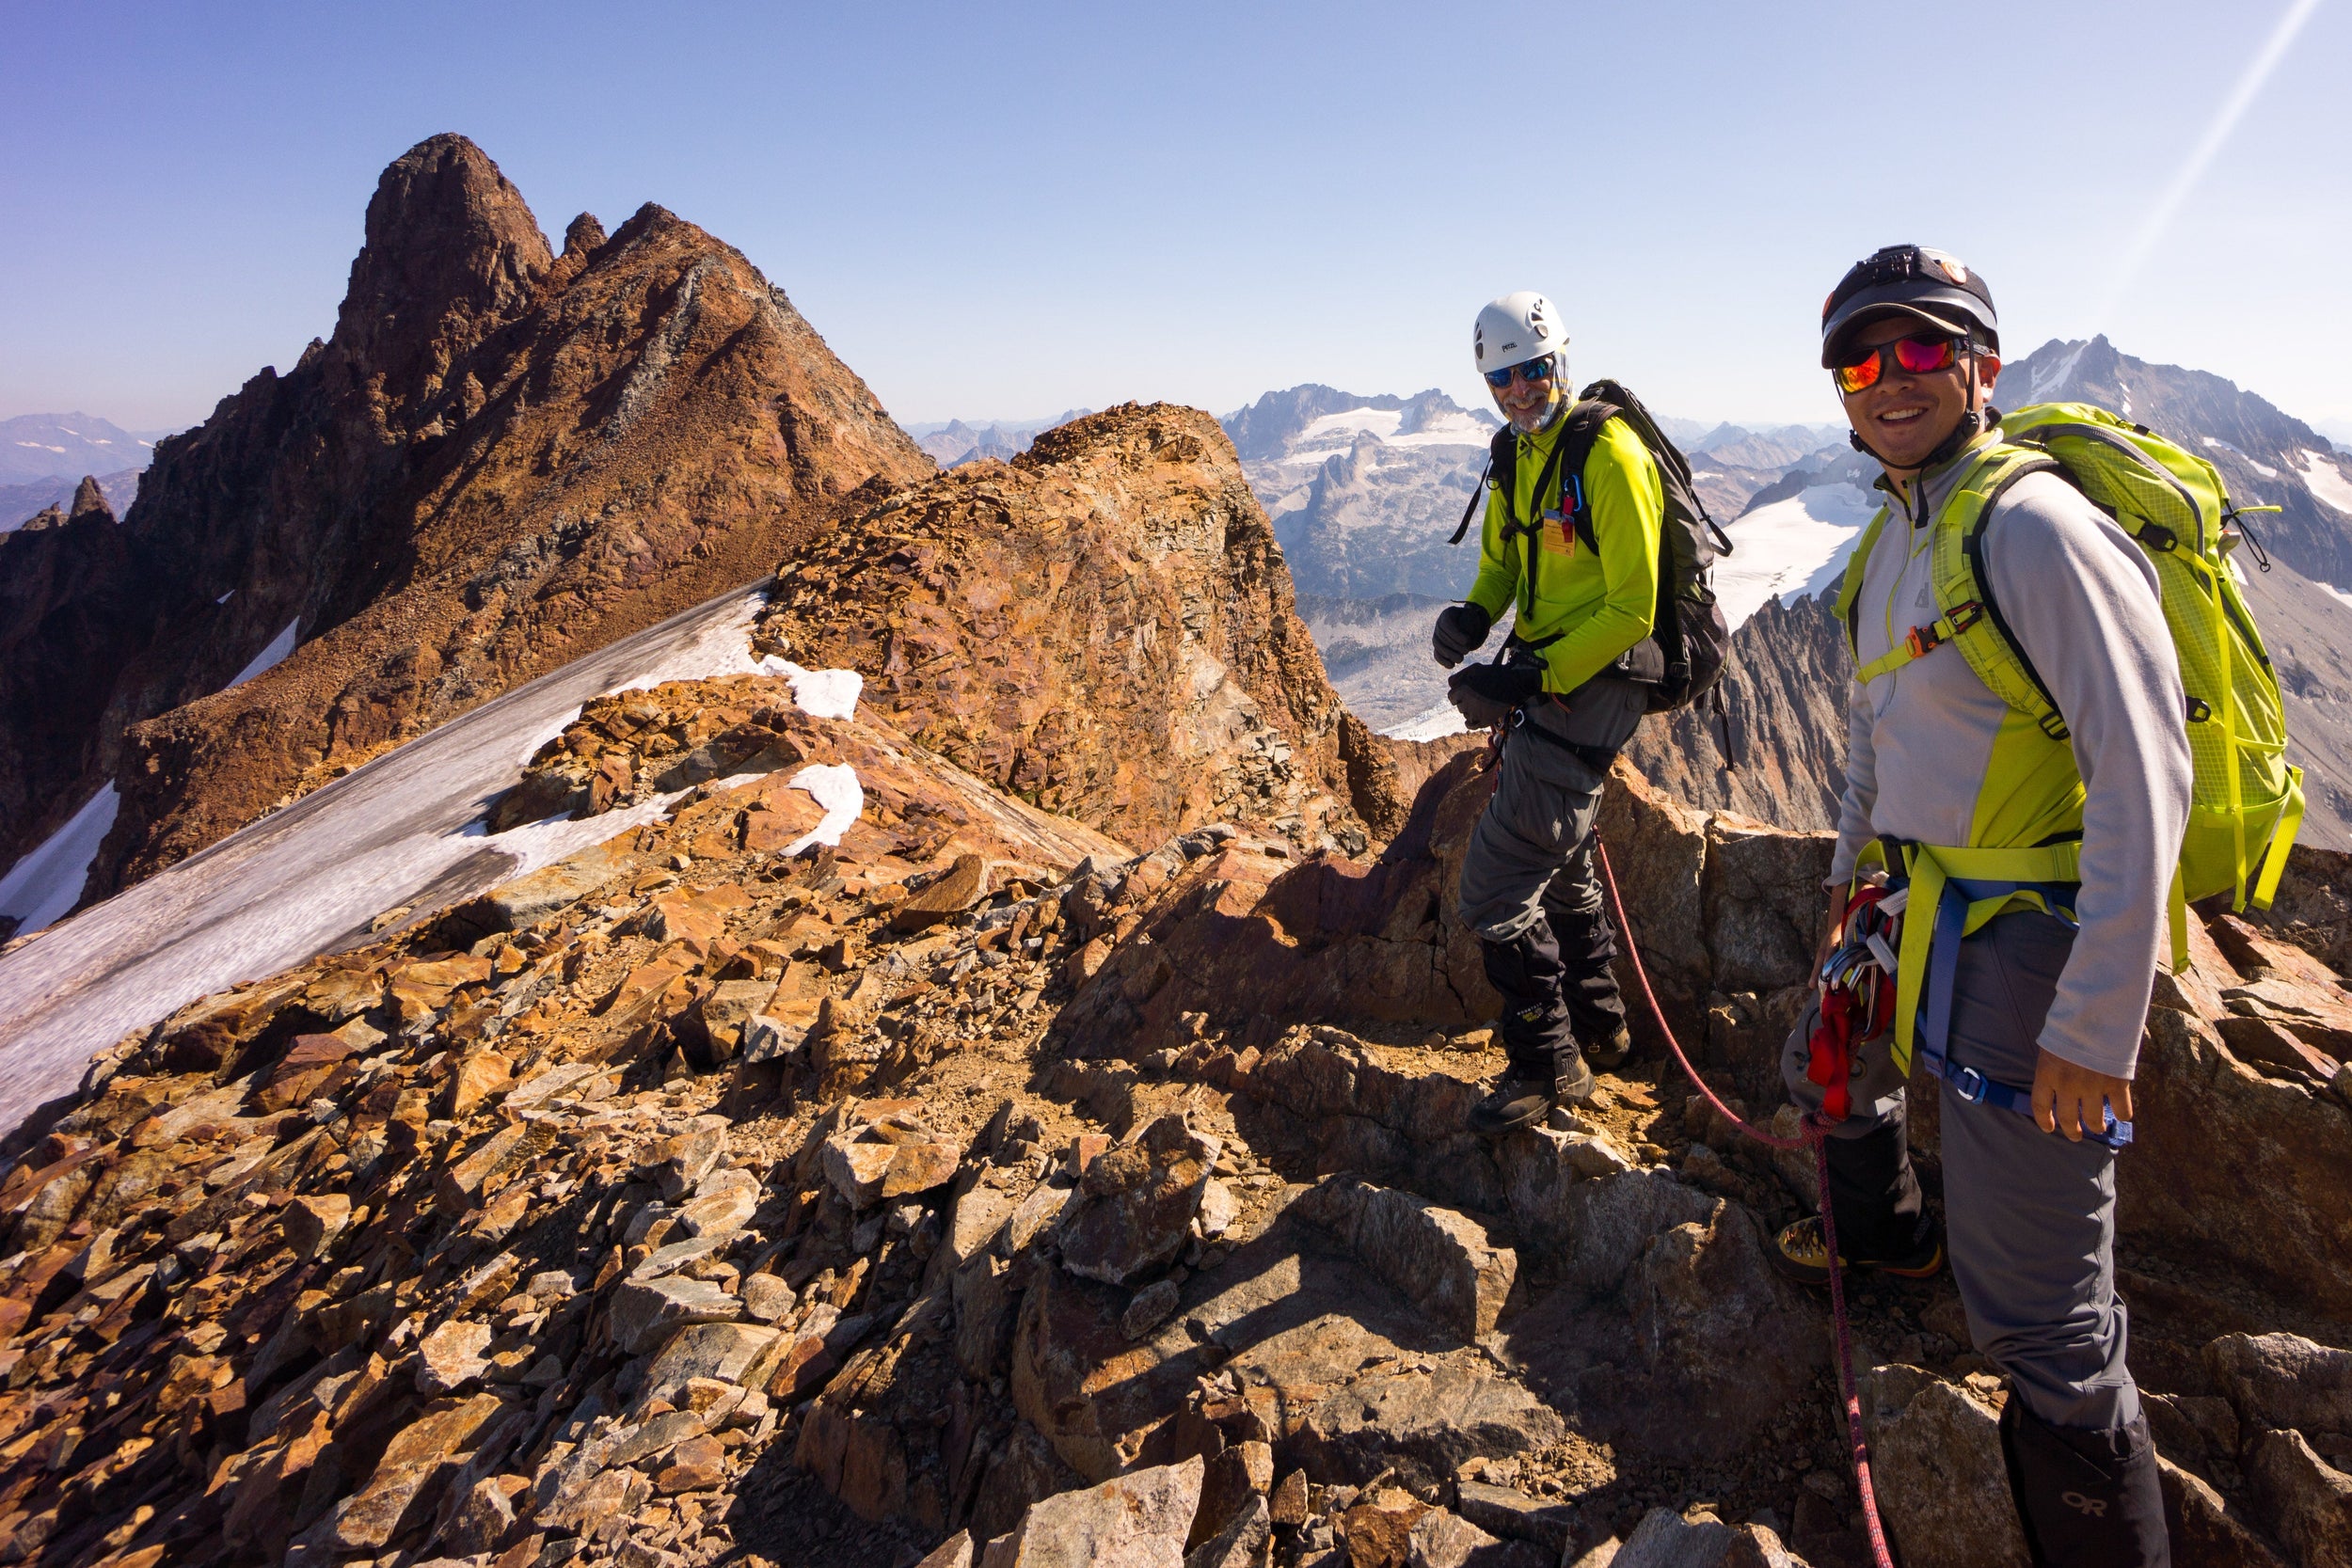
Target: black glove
1487	693
1462	630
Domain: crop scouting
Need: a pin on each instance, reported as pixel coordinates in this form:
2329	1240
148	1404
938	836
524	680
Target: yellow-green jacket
1599	602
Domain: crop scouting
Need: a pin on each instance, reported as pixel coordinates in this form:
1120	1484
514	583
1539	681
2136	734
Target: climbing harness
1816	1134
1954	892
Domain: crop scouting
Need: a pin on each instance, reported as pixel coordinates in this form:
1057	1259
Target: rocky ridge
501	458
1103	626
976	1188
1784	692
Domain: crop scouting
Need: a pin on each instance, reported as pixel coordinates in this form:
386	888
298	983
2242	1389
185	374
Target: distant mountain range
67	446
44	456
956	442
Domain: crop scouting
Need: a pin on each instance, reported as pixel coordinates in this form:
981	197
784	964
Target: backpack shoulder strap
1963	589
1572	451
1849	586
1501	470
1967	615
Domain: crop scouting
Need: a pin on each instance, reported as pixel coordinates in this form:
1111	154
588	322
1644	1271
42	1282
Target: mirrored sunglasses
1528	371
1919	355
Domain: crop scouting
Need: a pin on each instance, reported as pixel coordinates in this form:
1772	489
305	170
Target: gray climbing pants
2029	1216
1528	884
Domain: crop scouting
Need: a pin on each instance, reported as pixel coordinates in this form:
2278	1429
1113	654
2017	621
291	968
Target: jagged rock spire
88	497
452	253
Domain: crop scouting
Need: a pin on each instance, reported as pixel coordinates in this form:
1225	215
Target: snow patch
723	646
833	787
279	646
2218	445
2046	382
42	886
225	597
1327	436
819	693
1791	548
543	843
2324	477
1432	724
720	646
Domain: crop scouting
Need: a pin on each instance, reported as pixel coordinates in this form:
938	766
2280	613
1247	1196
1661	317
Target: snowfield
48	881
1433	723
2324	474
1332	433
407	829
279	646
1790	549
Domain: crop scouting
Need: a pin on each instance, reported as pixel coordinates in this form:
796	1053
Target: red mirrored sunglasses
1919	355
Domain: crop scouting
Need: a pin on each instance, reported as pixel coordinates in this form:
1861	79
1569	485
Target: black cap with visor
1932	287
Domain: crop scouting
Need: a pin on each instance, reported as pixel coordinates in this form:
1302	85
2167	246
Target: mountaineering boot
2087	1500
1526	1095
1546	1068
1611	1053
1881	1222
1802	1254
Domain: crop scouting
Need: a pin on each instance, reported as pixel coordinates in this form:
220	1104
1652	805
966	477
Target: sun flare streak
2249	86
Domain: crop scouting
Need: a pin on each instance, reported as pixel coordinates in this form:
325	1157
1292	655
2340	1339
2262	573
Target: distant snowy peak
67	446
1312	422
1775	446
2266	457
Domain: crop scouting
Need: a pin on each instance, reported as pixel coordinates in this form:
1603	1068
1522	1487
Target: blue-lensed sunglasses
1529	370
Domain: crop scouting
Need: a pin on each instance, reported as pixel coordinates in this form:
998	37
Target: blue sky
1006	210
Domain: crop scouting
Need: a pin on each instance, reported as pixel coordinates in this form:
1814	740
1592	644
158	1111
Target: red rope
1815	1134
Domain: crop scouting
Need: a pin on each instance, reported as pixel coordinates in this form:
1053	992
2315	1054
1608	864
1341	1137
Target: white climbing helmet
1517	328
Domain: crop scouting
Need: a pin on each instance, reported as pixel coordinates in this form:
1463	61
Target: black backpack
1682	658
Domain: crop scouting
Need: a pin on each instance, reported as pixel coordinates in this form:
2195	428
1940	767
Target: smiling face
1904	417
1526	403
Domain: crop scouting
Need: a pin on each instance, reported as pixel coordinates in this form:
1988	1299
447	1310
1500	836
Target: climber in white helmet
1574	555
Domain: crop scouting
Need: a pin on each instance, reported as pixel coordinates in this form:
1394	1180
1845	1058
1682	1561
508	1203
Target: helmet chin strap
1971	423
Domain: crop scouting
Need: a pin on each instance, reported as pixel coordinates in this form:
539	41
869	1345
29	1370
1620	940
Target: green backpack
2247	796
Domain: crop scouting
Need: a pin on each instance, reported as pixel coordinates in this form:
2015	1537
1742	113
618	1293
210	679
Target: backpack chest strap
1922	640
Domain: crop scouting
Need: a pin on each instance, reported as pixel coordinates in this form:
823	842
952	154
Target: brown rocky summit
501	459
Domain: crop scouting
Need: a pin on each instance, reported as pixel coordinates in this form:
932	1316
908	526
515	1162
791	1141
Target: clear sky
1006	210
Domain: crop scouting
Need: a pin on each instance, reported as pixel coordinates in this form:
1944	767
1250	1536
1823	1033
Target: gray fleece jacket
2082	602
